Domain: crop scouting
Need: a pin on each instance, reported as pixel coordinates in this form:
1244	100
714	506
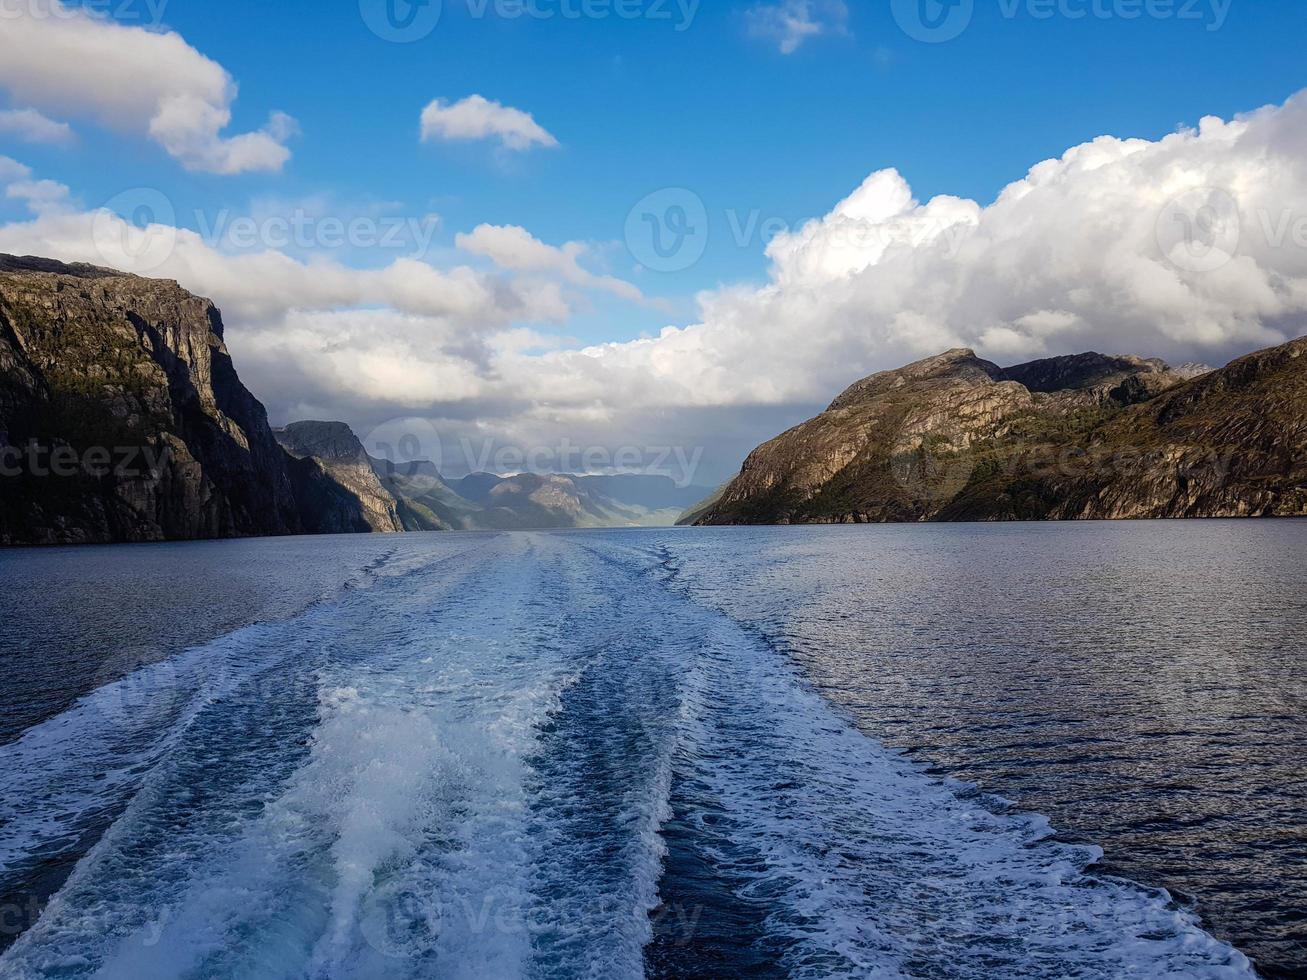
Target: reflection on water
669	752
1142	684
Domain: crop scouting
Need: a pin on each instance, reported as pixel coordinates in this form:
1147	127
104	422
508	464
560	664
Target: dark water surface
672	753
1144	685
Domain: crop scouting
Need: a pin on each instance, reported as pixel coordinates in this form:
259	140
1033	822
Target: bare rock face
339	491
122	417
954	437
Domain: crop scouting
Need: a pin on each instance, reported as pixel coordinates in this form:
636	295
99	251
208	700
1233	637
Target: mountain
1088	436
701	508
335	482
425	502
122	418
128	383
533	501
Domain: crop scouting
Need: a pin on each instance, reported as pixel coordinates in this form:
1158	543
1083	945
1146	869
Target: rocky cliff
121	415
122	419
955	437
335	482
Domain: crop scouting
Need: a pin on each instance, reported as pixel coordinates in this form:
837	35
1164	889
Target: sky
616	234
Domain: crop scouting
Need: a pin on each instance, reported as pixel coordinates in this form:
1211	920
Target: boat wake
533	757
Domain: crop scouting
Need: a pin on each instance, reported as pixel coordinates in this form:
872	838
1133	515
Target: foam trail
542	759
63	780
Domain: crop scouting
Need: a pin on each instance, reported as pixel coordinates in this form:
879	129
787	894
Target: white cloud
1081	253
72	62
264	287
789	23
515	249
11	170
478	118
31	126
40	195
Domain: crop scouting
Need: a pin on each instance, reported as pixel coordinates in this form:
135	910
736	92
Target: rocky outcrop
955	437
122	417
334	481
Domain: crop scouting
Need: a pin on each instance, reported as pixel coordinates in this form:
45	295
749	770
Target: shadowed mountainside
95	363
122	418
333	477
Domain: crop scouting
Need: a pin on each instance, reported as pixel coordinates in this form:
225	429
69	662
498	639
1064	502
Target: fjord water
670	753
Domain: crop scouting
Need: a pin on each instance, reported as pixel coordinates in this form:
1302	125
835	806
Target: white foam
477	785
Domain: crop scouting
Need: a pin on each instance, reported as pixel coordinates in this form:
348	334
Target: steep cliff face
122	417
334	480
954	437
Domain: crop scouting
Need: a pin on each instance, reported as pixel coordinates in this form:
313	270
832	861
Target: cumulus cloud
70	61
31	126
516	249
789	23
1190	247
479	118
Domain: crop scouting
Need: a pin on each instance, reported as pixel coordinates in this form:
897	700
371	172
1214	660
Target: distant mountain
701	508
528	501
334	480
425	502
955	437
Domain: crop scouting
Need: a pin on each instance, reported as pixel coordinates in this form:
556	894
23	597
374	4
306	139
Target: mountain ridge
1082	436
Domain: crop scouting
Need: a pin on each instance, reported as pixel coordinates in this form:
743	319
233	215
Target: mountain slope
954	437
122	419
95	363
334	480
425	502
530	501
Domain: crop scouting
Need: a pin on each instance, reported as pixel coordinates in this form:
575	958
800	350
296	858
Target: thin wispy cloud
516	249
790	23
31	126
477	118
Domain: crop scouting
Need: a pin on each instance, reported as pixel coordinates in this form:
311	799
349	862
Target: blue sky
640	104
767	135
